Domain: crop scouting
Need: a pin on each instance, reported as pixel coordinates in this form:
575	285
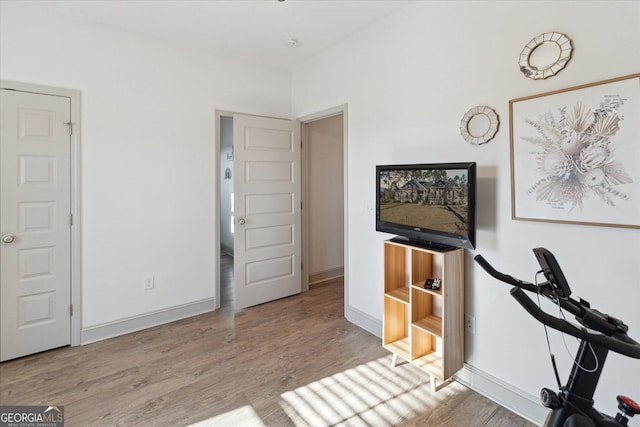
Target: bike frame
577	396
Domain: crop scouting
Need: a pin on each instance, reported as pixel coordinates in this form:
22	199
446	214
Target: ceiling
250	29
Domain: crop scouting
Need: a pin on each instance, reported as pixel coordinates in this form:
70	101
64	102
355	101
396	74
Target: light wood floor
292	362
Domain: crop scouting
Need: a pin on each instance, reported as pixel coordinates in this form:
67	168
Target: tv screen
428	204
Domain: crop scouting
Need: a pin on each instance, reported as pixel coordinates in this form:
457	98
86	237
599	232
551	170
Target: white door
267	246
35	251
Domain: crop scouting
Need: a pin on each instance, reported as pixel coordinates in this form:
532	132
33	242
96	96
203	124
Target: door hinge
70	124
71	309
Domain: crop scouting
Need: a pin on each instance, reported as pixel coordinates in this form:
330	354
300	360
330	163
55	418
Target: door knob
8	238
241	221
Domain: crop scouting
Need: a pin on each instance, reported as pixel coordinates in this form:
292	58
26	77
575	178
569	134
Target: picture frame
575	154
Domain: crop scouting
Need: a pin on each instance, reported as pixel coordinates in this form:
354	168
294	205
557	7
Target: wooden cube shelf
424	326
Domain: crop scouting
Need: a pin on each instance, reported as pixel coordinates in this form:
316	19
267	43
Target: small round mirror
479	125
545	55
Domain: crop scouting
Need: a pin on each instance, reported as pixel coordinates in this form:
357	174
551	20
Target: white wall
407	82
149	172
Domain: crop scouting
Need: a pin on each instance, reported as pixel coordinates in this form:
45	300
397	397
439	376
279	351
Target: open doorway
323	193
227	290
323	196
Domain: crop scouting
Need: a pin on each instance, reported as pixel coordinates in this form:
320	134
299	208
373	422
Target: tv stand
421	325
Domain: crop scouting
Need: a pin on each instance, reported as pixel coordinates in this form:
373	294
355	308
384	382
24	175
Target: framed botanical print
575	154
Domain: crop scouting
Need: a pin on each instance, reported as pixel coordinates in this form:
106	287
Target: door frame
76	270
324	114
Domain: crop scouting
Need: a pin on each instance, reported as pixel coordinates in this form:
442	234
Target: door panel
262	271
265	237
267	243
269	204
269	171
35	182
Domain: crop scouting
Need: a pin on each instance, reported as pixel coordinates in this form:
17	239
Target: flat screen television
430	205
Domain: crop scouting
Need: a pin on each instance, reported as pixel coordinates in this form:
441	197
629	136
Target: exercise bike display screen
552	271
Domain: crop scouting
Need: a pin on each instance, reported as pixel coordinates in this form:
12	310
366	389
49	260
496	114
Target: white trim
364	321
304	181
323	276
76	229
504	394
324	114
147	320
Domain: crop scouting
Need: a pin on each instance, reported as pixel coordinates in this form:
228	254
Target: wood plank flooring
292	362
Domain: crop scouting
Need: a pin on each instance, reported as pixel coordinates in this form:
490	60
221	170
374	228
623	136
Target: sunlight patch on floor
373	394
244	416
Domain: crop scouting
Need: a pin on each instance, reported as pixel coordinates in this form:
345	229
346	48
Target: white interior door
267	237
35	252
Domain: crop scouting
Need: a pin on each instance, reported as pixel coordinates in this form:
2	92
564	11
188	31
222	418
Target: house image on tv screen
435	199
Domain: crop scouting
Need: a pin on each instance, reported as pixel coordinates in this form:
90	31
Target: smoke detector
290	42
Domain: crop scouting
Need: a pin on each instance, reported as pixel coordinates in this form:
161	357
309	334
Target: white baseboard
504	394
136	323
323	276
363	320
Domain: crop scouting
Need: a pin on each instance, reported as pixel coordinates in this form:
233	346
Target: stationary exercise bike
600	333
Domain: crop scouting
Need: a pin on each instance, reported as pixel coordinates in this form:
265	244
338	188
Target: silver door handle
241	221
8	238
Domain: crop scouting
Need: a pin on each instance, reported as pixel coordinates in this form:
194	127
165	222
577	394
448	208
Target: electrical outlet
470	324
149	282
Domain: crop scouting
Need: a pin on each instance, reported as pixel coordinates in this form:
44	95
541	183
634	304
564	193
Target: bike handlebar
612	332
501	276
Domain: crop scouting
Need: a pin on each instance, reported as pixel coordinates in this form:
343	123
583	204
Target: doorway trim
330	112
76	226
